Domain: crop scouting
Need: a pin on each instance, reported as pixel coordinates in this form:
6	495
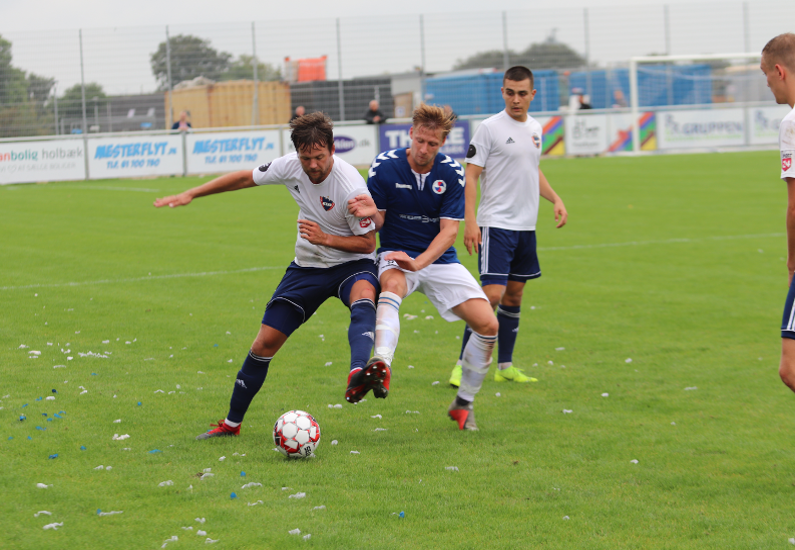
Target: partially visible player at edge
417	203
778	64
334	256
504	153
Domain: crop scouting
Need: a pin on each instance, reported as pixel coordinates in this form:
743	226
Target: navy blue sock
361	332
467	334
508	317
249	380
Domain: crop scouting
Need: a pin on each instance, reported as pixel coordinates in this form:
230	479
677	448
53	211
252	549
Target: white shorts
445	285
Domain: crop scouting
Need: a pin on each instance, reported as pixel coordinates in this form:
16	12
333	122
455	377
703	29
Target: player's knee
392	285
787	372
488	326
512	299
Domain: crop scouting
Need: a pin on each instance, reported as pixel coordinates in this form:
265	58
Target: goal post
662	59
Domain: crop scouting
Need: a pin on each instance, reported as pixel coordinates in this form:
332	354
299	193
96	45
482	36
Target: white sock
475	366
503	366
387	325
231	424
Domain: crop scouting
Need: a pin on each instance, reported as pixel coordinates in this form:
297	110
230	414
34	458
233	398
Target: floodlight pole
633	80
83	97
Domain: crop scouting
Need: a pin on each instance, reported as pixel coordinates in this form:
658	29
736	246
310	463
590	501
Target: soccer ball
296	434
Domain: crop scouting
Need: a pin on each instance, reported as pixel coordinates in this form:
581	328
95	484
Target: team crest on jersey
537	141
786	161
326	203
364	223
439	187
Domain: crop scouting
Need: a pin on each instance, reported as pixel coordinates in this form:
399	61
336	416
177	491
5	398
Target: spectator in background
182	124
619	101
299	111
574	99
373	114
585	102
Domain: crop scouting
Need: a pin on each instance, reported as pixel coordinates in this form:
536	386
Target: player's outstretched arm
546	191
448	231
357	244
363	206
227	182
472	237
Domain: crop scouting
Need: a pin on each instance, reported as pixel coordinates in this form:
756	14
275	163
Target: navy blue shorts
507	255
303	290
788	322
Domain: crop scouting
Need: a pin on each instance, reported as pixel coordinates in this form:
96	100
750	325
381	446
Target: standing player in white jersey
334	256
778	64
504	153
417	203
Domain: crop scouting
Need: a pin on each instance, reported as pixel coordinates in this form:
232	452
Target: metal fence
257	73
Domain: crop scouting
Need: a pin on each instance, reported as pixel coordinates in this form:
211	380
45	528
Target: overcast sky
377	38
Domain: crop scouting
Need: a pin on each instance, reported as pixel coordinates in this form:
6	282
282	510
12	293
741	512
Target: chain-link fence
259	73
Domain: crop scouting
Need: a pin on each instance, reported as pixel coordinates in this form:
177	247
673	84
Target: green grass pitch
673	262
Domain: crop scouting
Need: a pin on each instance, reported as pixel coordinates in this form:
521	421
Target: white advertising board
42	161
764	122
586	134
354	144
230	151
700	128
130	157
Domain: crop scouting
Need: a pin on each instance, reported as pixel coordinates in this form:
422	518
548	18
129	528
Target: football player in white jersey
778	64
504	153
334	256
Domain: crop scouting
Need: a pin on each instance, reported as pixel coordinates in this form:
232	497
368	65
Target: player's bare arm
472	236
448	231
228	182
363	206
790	227
548	193
358	244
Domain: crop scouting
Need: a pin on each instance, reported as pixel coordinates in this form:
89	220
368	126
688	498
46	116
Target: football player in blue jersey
417	201
334	256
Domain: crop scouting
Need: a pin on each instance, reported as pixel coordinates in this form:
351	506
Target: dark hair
517	74
312	130
781	50
433	118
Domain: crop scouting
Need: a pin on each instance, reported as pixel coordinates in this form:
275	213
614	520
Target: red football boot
221	429
374	376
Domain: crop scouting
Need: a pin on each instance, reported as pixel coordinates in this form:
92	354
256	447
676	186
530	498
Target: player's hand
362	206
174	200
560	214
311	232
472	237
403	260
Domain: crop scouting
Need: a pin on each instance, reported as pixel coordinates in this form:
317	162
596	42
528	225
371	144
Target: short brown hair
312	130
517	74
781	50
434	118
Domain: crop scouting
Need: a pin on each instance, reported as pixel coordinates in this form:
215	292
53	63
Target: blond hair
781	50
433	118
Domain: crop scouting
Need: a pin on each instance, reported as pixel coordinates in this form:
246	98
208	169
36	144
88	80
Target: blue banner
396	136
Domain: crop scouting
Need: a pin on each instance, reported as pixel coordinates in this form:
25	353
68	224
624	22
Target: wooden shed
228	104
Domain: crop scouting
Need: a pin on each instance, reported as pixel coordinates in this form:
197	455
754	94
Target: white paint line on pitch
264	268
147	278
93	187
663	241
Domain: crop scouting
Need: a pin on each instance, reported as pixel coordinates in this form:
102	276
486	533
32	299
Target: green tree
70	104
549	54
190	57
243	69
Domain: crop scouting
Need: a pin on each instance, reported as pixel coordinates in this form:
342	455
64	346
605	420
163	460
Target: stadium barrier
592	132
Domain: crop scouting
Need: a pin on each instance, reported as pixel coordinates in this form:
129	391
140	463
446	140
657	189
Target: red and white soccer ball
296	434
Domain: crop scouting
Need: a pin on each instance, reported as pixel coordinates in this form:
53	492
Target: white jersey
786	143
325	203
509	152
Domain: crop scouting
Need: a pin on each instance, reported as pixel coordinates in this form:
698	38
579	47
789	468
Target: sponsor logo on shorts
365	222
786	161
439	187
326	203
537	141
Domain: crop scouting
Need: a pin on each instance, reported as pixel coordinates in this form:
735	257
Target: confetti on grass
53	526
